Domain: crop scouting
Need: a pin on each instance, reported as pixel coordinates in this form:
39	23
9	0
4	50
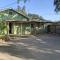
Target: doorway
10	28
48	28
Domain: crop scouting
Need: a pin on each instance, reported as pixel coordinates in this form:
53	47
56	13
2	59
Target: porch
18	28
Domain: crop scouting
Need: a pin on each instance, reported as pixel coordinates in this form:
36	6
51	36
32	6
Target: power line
6	6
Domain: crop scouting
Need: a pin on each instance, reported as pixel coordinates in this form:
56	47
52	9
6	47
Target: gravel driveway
42	47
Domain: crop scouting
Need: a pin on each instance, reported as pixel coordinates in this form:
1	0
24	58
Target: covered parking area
54	28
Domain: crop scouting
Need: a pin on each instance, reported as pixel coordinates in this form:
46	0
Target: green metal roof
5	15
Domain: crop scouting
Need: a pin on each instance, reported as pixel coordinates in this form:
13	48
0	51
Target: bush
4	37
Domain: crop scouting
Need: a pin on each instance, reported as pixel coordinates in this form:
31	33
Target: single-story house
19	23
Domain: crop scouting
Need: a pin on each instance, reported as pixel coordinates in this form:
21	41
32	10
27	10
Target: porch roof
23	21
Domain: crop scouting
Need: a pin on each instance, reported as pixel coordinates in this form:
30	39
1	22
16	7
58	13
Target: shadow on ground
21	52
44	47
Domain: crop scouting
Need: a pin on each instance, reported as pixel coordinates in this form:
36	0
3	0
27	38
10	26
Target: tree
35	16
24	10
57	5
18	1
2	27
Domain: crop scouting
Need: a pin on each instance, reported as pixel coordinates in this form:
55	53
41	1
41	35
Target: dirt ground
41	47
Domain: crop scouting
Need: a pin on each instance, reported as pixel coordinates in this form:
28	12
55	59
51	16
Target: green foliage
2	27
57	5
24	10
18	1
35	16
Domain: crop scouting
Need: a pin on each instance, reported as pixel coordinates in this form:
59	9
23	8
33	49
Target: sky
44	8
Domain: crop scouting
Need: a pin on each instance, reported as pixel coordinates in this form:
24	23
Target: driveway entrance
42	47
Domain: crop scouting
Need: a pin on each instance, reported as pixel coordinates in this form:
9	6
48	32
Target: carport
54	27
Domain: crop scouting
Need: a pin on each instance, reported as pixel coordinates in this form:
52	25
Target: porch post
30	28
55	28
13	27
34	29
7	28
21	28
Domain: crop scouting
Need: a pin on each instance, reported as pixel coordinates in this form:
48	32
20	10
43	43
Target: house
18	23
